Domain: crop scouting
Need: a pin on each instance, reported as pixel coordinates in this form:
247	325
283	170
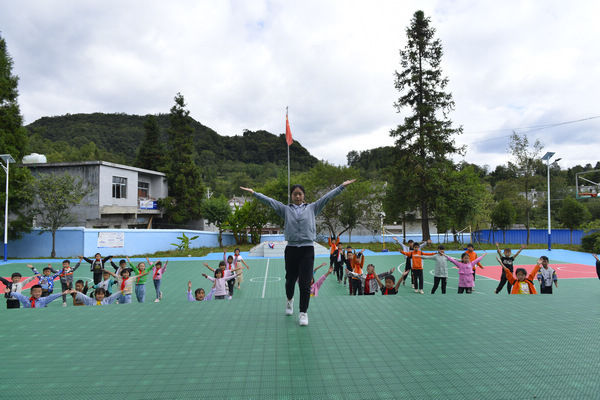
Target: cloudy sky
512	65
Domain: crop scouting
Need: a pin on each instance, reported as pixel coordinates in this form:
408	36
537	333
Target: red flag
288	132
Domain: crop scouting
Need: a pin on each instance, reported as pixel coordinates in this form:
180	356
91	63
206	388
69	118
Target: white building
121	196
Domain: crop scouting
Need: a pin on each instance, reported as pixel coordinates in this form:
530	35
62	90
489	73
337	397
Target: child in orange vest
417	266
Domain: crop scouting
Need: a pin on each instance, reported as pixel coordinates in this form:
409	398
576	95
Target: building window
119	187
143	190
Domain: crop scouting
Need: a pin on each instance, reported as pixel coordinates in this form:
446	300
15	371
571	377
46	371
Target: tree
56	195
151	153
503	216
186	189
13	141
527	158
573	214
216	210
425	139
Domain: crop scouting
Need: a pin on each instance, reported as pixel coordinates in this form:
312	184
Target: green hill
250	158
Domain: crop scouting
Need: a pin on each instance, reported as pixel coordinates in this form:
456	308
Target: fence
537	236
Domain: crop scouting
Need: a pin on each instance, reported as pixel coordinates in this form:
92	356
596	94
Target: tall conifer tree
151	153
186	189
425	139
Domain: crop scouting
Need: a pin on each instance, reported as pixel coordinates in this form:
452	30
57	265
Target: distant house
121	197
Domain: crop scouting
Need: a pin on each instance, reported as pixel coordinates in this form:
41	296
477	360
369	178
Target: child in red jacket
523	283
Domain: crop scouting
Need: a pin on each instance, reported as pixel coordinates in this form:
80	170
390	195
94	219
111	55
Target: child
356	262
388	288
157	272
347	253
122	264
36	300
220	283
46	279
15	285
225	273
199	294
507	261
237	258
106	283
315	286
369	282
79	288
546	276
440	273
417	265
97	265
523	284
334	242
465	271
99	300
597	265
472	256
125	284
140	280
66	277
408	264
338	262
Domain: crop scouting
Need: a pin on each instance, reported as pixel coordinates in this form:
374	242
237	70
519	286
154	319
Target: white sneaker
289	307
416	290
421	291
229	298
303	319
160	296
64	304
157	301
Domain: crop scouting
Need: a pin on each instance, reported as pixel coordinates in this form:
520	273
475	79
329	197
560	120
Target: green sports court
408	346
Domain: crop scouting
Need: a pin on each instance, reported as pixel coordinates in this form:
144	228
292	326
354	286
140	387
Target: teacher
300	232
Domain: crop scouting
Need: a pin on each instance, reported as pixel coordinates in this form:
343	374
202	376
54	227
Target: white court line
265	282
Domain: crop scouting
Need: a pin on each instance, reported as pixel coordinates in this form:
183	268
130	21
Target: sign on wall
111	239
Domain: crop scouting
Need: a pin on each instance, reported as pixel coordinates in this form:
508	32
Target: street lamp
547	158
7	158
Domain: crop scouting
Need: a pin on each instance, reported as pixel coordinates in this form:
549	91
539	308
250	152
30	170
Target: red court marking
563	271
29	284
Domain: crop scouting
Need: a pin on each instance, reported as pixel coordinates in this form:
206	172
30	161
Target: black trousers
356	287
230	284
504	281
13	303
418	277
64	286
462	289
97	277
436	282
299	262
546	289
339	271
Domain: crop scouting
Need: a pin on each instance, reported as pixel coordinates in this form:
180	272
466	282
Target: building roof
92	163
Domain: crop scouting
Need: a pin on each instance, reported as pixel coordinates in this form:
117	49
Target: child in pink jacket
315	286
466	280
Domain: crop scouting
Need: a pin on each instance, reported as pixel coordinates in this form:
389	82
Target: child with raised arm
16	284
157	272
355	265
106	283
100	298
46	278
66	277
369	280
140	280
507	261
125	282
220	282
597	265
388	287
417	265
334	242
199	294
408	264
348	253
338	262
472	256
315	286
546	276
82	288
36	300
465	271
523	283
237	259
97	265
440	273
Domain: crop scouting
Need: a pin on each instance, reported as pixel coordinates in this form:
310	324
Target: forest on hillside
226	161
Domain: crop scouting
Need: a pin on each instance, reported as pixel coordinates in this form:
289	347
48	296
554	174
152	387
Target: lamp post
7	158
547	158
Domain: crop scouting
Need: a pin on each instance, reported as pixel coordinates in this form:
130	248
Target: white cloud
239	63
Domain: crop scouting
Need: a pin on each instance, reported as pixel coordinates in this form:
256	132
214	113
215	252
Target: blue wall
539	236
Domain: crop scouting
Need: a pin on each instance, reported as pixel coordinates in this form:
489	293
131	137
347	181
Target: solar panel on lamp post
7	158
547	158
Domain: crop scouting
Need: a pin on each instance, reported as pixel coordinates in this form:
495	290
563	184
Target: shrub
591	242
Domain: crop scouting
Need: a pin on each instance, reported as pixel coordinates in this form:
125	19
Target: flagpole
288	146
